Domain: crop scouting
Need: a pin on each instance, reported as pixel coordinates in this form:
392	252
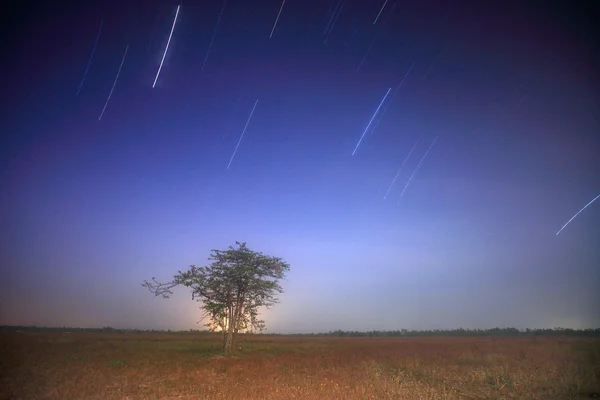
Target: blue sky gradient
91	208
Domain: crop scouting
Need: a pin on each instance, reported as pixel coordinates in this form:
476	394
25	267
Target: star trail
134	142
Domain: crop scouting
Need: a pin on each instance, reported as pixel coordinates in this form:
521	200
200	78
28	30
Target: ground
55	365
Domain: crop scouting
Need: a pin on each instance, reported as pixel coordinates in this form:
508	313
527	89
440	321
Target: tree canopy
231	289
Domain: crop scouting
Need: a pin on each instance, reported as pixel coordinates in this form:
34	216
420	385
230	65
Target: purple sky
89	208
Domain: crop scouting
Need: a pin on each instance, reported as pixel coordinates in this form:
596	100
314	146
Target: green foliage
231	289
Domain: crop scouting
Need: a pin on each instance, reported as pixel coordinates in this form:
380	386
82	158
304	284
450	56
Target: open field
187	366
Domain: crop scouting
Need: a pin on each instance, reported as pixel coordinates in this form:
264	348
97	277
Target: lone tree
231	289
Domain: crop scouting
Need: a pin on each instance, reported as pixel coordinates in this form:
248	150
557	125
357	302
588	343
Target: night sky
509	95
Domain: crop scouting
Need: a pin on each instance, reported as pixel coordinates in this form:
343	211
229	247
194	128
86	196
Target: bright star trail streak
397	88
416	169
276	19
91	57
374	22
212	40
167	47
586	206
398	173
244	131
114	83
392	98
367	128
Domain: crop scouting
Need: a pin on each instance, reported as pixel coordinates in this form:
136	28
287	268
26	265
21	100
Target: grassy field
188	366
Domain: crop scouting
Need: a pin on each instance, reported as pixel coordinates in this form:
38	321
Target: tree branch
160	289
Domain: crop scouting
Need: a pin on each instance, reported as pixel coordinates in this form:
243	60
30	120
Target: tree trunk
225	348
227	342
230	338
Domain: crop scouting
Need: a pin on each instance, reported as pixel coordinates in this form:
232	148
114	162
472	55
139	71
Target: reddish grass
188	366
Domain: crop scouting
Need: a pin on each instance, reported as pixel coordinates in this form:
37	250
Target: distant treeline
497	332
106	329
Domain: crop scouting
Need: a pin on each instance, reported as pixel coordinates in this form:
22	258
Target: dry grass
145	366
